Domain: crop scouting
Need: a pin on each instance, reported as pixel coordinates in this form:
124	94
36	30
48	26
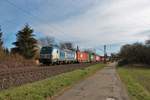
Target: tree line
136	53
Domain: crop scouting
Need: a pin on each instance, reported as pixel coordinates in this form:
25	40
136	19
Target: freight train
55	55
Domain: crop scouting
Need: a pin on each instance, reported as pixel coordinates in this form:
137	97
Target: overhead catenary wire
26	12
35	17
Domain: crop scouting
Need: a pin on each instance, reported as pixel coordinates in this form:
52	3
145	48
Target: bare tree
47	41
67	45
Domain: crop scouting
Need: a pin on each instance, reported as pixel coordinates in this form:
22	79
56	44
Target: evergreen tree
26	44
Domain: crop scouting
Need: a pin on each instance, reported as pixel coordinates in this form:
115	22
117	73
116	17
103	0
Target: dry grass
14	61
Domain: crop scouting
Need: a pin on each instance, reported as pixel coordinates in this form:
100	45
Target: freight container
92	57
98	58
70	56
82	56
101	58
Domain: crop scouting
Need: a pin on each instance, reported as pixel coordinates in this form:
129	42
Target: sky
87	23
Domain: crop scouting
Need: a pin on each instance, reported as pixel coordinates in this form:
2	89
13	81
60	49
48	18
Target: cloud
144	33
90	23
106	23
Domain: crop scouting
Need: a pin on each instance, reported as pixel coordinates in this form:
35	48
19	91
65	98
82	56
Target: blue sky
87	23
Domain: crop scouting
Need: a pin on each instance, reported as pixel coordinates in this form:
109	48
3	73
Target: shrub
123	62
135	53
15	61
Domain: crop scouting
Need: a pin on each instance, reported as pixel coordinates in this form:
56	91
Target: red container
98	59
102	58
82	56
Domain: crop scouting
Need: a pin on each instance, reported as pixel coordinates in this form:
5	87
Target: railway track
12	77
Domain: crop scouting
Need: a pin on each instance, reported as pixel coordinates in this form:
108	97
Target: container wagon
92	57
98	58
82	57
70	56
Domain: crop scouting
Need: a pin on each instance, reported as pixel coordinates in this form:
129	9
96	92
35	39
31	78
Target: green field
137	81
49	87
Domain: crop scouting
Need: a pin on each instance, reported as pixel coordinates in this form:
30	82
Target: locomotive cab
49	55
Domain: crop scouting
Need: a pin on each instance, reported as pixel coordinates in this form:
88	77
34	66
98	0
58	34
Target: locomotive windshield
46	50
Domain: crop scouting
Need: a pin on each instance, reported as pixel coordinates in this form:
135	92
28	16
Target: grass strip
49	87
132	79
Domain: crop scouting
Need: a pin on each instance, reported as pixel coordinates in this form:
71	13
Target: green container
91	57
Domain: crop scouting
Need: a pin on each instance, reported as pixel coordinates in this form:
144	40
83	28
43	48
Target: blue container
70	55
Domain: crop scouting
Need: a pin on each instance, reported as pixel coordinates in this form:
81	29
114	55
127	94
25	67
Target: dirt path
104	85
